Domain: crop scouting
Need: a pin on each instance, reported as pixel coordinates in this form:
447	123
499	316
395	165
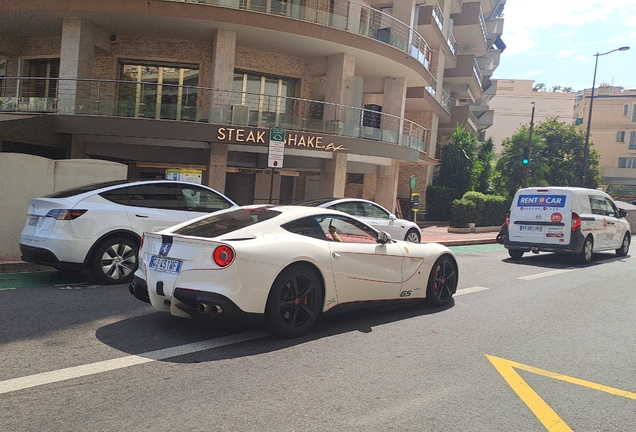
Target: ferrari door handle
141	216
335	255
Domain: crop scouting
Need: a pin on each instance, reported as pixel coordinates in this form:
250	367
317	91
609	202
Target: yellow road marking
539	408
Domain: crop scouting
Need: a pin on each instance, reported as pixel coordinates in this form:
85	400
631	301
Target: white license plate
34	220
532	228
165	264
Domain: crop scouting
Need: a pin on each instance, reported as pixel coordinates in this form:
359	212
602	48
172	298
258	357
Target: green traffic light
525	161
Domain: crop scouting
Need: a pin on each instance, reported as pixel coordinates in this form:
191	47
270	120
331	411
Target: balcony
147	100
430	26
465	80
489	62
343	15
462	116
470	29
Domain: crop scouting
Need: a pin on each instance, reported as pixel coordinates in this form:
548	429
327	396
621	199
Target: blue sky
554	42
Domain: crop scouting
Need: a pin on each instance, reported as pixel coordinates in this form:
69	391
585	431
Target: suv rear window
227	222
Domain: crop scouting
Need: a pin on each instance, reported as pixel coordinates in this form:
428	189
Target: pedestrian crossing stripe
543	412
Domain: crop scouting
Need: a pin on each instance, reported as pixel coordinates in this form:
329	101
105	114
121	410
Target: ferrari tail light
64	214
507	220
223	256
576	221
141	242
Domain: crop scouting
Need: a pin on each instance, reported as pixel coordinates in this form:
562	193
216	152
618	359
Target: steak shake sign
300	140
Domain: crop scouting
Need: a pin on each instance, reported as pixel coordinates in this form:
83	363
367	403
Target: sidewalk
430	234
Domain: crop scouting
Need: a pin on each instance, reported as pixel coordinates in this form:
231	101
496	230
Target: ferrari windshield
226	222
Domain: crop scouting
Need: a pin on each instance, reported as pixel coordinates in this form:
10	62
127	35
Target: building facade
613	134
512	106
365	91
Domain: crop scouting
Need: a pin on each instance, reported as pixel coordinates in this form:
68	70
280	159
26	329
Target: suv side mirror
384	237
622	213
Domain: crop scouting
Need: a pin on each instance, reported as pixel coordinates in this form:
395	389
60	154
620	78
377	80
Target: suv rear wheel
115	261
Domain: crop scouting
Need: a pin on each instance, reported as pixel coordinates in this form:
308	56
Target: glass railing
346	15
477	73
482	24
431	89
473	119
438	16
153	100
446	101
452	43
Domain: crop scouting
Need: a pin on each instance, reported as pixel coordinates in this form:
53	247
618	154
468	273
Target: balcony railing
152	100
346	15
438	16
446	101
452	42
477	72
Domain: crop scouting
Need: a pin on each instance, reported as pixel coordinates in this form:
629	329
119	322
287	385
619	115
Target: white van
565	219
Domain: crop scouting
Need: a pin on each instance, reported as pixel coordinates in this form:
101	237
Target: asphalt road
539	344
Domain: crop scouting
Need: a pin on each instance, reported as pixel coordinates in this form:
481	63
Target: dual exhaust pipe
206	308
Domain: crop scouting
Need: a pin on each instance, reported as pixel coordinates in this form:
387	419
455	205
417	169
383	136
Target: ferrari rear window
227	222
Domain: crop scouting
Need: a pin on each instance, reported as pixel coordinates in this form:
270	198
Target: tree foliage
556	158
458	160
483	169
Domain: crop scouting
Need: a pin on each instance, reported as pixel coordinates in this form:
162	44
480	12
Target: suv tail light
576	221
507	220
223	256
63	214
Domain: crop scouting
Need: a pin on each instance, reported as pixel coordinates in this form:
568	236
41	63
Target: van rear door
541	215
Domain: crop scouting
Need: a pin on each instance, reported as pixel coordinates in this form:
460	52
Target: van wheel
515	253
585	257
622	251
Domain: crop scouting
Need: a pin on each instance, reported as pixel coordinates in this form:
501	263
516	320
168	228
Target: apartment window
632	140
634	114
626	109
620	136
626	162
48	70
159	91
267	96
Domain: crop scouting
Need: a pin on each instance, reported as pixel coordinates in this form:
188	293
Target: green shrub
495	209
439	200
462	213
480	203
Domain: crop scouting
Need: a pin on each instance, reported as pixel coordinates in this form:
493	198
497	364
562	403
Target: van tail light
576	221
507	221
63	214
223	256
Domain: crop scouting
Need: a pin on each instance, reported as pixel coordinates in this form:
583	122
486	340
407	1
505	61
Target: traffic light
526	156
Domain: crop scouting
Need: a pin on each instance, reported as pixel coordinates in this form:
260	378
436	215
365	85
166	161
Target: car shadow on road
562	261
155	331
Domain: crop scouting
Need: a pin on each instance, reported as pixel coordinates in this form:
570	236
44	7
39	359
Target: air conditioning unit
241	115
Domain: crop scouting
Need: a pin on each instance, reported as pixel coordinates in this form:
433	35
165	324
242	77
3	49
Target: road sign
276	148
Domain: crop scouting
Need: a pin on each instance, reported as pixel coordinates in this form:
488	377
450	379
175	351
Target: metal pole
529	146
586	149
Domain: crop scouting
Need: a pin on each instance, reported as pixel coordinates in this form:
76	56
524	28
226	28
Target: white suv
98	227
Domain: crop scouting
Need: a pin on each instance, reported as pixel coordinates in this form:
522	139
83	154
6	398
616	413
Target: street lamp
529	148
589	116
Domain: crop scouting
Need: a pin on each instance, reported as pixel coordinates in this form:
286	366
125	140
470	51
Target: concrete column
76	62
387	183
216	166
404	10
333	176
340	67
393	103
222	75
369	186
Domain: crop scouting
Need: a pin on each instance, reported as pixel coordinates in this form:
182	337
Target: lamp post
586	150
529	146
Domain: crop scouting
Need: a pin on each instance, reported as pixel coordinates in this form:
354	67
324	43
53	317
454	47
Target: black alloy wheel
294	303
442	283
115	261
622	251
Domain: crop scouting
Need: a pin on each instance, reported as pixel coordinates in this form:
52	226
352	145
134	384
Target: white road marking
122	362
470	290
545	274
